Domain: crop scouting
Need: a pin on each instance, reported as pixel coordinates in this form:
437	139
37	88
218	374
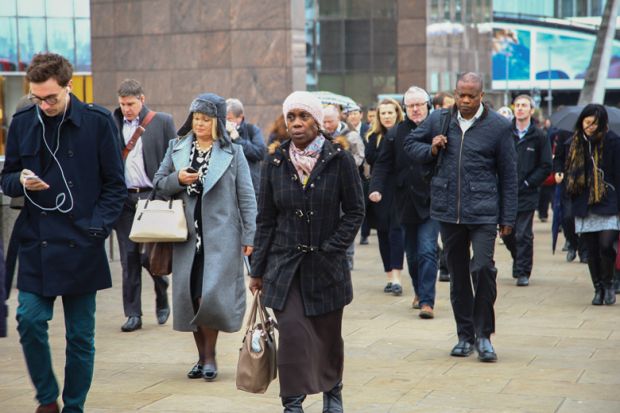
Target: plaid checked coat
306	230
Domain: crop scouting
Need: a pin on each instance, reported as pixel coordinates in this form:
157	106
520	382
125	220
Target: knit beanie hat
304	101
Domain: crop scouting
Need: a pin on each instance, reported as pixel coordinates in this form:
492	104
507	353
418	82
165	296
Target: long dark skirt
310	349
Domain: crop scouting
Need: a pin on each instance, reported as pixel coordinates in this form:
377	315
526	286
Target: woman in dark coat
382	213
593	181
309	210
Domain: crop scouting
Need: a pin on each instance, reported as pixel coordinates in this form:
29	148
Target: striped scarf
576	171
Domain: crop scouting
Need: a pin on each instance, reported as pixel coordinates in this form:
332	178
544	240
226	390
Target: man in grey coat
142	158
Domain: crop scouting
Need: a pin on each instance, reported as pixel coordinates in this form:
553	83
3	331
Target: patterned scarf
576	170
304	160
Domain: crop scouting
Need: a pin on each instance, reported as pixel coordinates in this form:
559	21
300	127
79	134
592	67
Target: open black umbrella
558	216
566	118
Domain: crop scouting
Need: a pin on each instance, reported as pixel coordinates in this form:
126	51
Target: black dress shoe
133	323
209	371
523	281
571	255
387	288
364	241
444	276
397	289
162	315
610	296
485	350
195	372
462	349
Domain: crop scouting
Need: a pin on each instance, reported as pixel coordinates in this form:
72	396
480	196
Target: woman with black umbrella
593	181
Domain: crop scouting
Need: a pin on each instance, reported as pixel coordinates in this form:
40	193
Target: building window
28	27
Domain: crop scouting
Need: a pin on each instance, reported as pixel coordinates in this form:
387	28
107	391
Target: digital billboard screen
529	55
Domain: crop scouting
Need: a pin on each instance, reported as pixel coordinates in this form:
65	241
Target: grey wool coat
228	223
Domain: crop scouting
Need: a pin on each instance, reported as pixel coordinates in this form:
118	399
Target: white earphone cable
61	197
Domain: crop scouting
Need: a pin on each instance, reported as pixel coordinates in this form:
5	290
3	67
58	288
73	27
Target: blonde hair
214	129
376	127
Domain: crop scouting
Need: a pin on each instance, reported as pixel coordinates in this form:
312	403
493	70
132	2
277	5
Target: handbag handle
264	317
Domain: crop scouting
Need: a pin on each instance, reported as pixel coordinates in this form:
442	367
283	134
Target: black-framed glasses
50	100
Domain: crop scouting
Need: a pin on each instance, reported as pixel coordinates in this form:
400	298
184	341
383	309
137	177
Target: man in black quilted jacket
473	190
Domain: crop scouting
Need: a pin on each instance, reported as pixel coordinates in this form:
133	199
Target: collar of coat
221	158
118	116
330	151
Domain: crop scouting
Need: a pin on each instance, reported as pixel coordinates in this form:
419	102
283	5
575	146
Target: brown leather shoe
48	408
426	312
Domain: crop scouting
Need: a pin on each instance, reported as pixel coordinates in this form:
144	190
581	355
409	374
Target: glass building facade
551	8
351	47
363	48
28	27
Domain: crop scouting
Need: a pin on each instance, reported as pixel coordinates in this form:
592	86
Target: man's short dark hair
130	87
439	98
45	66
471	77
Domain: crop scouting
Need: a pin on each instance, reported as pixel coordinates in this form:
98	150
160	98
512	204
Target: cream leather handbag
159	221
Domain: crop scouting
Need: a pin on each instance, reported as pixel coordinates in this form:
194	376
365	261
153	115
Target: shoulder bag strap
445	125
139	131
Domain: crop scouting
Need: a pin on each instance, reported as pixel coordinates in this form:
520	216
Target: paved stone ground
557	353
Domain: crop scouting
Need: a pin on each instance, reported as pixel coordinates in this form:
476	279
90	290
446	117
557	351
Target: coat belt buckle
305	248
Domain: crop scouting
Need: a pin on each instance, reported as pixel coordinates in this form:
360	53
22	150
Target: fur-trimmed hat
213	106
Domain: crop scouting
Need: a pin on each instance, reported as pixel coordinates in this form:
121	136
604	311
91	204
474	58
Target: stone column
253	50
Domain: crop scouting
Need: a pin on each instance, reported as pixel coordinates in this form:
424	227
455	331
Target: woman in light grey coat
212	177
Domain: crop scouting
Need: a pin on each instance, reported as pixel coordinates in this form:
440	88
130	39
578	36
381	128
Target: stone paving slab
557	353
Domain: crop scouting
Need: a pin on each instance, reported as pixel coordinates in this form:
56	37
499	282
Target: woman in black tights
593	181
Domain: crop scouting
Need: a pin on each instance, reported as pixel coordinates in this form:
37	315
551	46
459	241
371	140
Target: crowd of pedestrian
436	177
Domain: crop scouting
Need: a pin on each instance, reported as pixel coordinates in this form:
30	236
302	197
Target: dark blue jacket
254	148
412	180
533	165
611	169
63	253
476	182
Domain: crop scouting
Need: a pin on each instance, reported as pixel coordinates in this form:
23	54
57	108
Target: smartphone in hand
191	170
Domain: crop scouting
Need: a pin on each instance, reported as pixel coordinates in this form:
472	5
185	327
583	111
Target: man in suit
141	163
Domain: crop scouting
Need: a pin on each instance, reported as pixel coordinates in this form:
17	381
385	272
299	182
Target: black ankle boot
292	404
332	400
610	296
598	297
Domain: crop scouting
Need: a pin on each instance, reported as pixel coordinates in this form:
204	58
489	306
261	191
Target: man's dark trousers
131	262
473	308
520	243
421	252
33	314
